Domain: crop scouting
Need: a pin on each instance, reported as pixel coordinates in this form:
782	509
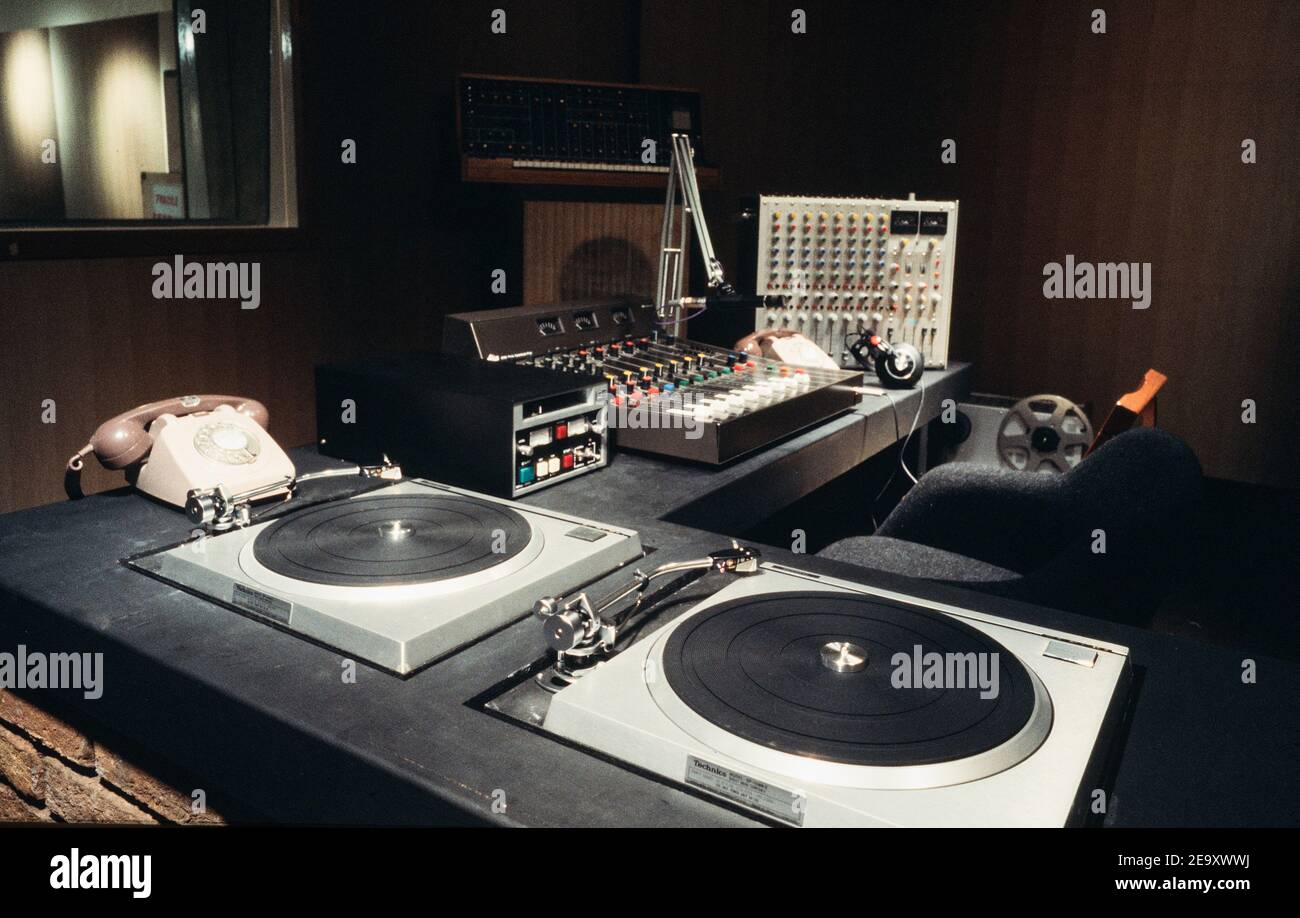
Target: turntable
820	702
397	576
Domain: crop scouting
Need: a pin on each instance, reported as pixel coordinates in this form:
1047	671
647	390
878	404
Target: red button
561	431
567	460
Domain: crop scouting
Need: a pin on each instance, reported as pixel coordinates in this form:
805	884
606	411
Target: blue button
526	475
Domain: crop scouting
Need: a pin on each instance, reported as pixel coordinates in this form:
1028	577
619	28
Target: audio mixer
848	265
665	394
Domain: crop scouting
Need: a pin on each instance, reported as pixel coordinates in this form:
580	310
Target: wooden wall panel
1127	147
91	337
1117	147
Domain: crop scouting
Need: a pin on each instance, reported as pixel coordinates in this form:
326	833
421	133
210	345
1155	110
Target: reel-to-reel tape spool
1043	433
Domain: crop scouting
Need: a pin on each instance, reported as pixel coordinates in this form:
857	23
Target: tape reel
1043	433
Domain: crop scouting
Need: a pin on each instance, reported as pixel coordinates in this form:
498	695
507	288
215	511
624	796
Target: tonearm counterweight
582	633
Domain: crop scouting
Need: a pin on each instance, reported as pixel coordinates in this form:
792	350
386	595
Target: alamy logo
946	671
1102	281
213	280
103	871
35	670
651	414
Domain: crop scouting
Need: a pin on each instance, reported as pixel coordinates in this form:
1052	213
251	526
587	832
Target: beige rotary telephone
193	443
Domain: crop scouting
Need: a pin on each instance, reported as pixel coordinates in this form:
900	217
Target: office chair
1101	539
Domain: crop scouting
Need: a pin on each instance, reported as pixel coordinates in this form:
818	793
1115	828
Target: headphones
899	366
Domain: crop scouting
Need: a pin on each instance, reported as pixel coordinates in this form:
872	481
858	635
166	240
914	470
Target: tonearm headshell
583	633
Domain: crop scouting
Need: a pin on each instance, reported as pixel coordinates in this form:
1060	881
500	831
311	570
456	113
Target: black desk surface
266	716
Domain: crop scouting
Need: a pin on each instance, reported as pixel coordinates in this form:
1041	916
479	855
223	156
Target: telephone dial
193	443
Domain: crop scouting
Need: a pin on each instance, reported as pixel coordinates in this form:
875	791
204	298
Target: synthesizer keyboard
531	131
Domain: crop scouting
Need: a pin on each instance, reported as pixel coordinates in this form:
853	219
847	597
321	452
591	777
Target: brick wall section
14	808
74	797
71	744
52	771
173	804
21	765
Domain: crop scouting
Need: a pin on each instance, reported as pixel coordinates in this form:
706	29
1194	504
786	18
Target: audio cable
902	453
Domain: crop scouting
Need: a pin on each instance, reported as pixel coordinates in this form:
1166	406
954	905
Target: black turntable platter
392	539
812	674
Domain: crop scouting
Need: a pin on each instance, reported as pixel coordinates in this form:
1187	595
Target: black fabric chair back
1103	536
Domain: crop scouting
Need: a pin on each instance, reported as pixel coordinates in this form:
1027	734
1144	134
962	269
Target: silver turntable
397	576
785	693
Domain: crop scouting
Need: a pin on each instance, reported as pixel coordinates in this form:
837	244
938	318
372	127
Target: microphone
726	298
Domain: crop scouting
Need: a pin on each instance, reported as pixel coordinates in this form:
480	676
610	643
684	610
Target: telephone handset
786	345
123	440
173	446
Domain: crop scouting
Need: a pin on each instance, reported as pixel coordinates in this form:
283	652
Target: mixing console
666	395
848	265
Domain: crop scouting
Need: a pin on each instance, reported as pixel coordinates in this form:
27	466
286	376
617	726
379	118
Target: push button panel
558	449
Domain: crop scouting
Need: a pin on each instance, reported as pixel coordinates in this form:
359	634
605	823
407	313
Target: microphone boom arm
674	237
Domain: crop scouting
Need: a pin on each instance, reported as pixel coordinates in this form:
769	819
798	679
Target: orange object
1134	409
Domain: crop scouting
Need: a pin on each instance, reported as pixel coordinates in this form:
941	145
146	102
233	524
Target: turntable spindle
844	657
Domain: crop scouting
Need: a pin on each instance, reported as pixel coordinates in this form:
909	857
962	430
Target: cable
695	315
902	453
902	456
